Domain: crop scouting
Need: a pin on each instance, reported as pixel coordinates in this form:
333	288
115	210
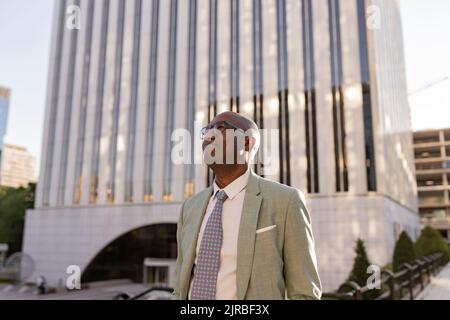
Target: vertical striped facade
146	60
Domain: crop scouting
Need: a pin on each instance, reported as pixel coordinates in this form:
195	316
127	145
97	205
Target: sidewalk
9	292
439	288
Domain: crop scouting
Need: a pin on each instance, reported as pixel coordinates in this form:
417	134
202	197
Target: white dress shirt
231	218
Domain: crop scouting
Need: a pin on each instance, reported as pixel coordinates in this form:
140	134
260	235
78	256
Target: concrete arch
60	237
128	250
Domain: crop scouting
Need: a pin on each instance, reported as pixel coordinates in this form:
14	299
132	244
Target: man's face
223	143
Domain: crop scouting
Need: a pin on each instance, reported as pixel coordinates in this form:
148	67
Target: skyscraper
17	167
4	109
328	74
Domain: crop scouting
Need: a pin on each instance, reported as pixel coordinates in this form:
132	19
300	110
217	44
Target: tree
431	241
13	206
404	251
359	272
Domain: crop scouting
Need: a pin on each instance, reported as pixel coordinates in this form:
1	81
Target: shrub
431	241
403	251
359	272
13	205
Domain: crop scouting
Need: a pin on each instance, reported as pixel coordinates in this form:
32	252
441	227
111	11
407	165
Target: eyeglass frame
205	130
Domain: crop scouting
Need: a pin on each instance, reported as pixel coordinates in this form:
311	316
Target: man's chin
214	166
220	167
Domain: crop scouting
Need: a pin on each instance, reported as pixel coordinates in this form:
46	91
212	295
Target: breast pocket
265	229
266	238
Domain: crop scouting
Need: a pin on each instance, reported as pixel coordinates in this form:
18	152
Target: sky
25	29
426	32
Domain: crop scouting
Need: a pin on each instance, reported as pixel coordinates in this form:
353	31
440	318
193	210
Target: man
244	237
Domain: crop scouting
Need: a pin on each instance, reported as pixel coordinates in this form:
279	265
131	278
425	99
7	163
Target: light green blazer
276	264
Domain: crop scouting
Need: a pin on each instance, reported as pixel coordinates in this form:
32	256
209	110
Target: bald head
235	119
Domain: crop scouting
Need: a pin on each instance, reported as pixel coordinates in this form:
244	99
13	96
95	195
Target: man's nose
210	136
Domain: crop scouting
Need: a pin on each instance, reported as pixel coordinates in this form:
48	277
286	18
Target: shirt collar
235	187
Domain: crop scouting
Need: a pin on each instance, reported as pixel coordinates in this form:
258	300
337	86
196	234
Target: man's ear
249	143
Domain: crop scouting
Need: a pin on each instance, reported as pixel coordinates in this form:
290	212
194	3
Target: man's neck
225	177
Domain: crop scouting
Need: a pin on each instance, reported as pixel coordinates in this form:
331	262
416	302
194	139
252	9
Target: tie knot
221	196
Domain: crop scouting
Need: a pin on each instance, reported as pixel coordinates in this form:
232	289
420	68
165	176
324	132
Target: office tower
5	95
432	158
17	167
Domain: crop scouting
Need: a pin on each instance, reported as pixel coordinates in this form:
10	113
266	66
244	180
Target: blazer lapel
247	235
197	212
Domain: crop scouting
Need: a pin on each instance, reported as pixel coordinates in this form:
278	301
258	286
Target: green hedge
13	205
404	251
430	242
359	272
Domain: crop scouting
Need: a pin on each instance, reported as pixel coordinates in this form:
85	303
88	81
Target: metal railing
126	296
405	284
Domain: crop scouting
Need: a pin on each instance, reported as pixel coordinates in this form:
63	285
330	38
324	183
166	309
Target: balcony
433	205
431	144
429	166
447	135
426	137
438	218
437	188
431	182
432	199
430	179
436	223
427	153
422	173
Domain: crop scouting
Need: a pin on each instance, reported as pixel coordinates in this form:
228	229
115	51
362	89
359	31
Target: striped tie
208	260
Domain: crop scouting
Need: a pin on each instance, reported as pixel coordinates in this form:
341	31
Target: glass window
151	105
191	101
54	104
310	97
366	94
94	175
234	55
283	93
212	74
67	113
337	96
258	78
171	95
447	135
112	156
133	103
78	181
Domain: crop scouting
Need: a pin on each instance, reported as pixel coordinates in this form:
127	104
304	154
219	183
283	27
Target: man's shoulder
276	187
279	191
193	199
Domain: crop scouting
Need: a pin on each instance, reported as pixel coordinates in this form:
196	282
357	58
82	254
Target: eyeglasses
222	126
